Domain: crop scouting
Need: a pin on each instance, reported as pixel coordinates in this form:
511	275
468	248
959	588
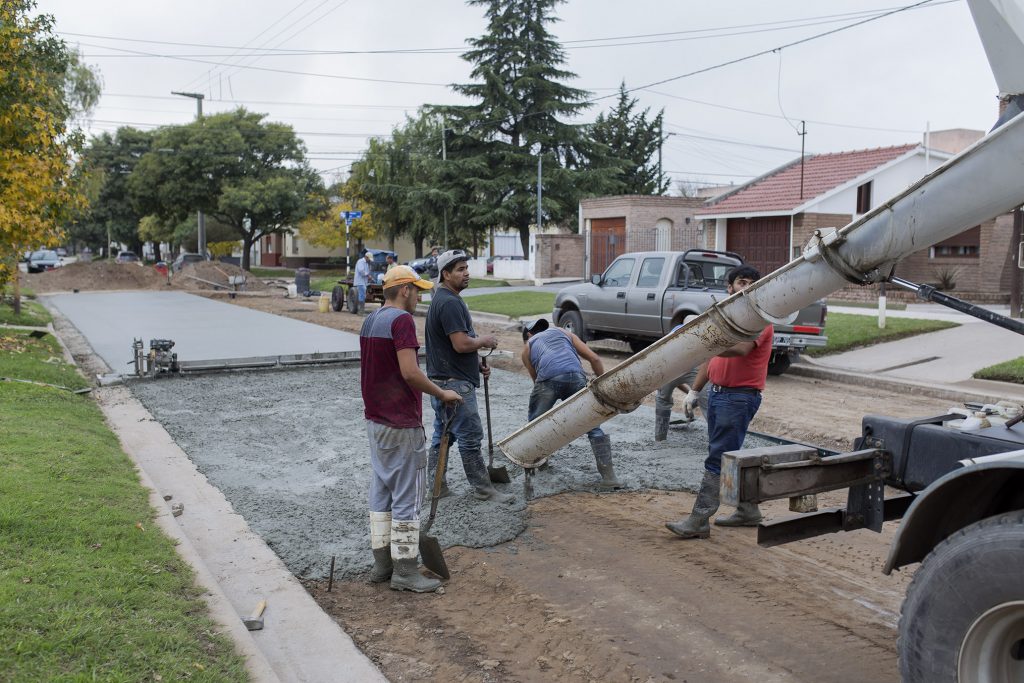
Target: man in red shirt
393	386
737	377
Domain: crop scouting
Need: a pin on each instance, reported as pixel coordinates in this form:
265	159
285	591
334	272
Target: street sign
350	215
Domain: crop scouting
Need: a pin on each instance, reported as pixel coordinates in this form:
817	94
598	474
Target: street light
201	231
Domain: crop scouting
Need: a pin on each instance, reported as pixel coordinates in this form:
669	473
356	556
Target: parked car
128	257
492	259
44	259
426	266
186	258
642	296
61	251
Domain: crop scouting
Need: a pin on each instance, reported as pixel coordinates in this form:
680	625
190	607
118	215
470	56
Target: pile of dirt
209	275
96	275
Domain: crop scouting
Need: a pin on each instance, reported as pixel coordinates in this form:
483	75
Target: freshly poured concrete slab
202	329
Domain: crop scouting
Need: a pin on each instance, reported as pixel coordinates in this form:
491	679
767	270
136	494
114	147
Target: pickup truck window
650	272
618	273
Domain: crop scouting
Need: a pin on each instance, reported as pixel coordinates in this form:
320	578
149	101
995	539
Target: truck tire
638	345
337	298
779	363
572	321
353	300
963	617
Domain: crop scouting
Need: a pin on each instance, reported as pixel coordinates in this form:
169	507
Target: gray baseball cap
449	259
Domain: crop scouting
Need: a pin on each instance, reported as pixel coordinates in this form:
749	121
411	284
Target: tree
326	228
520	99
113	213
242	171
635	140
42	86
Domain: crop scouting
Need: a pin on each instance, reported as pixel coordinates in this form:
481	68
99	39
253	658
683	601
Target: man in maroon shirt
393	386
737	377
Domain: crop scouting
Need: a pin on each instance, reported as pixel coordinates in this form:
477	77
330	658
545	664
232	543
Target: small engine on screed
158	361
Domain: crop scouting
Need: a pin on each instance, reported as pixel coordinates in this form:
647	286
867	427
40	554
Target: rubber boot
661	420
478	477
696	525
602	446
405	552
747	514
380	541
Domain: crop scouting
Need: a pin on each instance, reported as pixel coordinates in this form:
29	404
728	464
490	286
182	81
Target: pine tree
635	140
521	101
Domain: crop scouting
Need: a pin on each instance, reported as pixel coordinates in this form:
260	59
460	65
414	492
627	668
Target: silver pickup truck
642	296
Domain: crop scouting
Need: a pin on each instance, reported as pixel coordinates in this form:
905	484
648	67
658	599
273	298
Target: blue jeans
361	290
547	391
729	415
465	430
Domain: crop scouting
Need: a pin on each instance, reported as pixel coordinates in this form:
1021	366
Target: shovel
498	475
430	547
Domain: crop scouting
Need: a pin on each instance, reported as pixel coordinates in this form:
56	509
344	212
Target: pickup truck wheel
779	363
572	321
963	617
337	298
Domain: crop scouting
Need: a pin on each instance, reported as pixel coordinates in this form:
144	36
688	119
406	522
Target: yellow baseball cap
403	275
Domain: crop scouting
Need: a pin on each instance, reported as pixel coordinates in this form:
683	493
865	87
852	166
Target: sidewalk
944	361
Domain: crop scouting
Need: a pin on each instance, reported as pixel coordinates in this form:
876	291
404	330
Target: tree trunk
417	244
156	251
17	289
524	240
247	241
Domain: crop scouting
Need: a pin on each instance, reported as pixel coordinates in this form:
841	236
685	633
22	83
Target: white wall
477	267
885	185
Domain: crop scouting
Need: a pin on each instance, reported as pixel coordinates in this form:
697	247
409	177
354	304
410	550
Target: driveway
202	329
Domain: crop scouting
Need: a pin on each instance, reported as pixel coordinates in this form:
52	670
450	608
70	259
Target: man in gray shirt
453	363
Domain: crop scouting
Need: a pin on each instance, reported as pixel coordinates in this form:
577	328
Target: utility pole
803	139
201	227
539	190
444	158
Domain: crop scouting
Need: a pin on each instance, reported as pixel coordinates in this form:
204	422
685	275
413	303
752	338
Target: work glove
690	403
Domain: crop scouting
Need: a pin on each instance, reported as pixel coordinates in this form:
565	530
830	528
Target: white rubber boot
405	552
380	542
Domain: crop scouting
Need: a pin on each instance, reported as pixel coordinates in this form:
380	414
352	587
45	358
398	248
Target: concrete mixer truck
962	492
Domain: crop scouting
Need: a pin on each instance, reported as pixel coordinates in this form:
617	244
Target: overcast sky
877	84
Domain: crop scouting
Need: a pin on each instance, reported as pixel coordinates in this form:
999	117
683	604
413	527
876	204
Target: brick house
769	219
614	225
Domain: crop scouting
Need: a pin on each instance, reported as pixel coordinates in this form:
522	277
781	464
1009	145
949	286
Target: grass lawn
40	360
513	304
848	331
90	589
272	272
481	282
32	313
1010	371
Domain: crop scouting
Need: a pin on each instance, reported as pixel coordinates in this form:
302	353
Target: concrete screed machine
962	508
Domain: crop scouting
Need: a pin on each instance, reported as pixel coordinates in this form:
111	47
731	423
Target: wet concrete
289	450
202	329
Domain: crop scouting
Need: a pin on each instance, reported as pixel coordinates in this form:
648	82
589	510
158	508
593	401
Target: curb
943	392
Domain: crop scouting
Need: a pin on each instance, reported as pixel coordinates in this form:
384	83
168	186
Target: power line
770	50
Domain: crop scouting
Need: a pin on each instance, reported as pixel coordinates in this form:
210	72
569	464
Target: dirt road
596	589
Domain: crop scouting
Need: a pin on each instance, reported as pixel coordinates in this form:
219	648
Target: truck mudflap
984	487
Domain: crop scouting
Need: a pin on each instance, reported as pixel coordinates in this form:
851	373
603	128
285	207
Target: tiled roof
780	190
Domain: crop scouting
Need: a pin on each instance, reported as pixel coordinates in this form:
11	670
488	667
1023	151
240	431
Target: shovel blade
499	475
433	559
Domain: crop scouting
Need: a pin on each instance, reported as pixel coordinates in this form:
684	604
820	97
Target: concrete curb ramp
299	642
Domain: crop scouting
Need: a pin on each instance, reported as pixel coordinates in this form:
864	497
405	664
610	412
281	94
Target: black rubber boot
747	514
382	565
661	420
405	551
483	489
696	525
407	577
602	446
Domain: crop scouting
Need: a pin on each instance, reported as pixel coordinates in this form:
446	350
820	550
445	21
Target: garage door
607	242
762	242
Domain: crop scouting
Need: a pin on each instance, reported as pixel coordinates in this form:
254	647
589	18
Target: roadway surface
202	329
